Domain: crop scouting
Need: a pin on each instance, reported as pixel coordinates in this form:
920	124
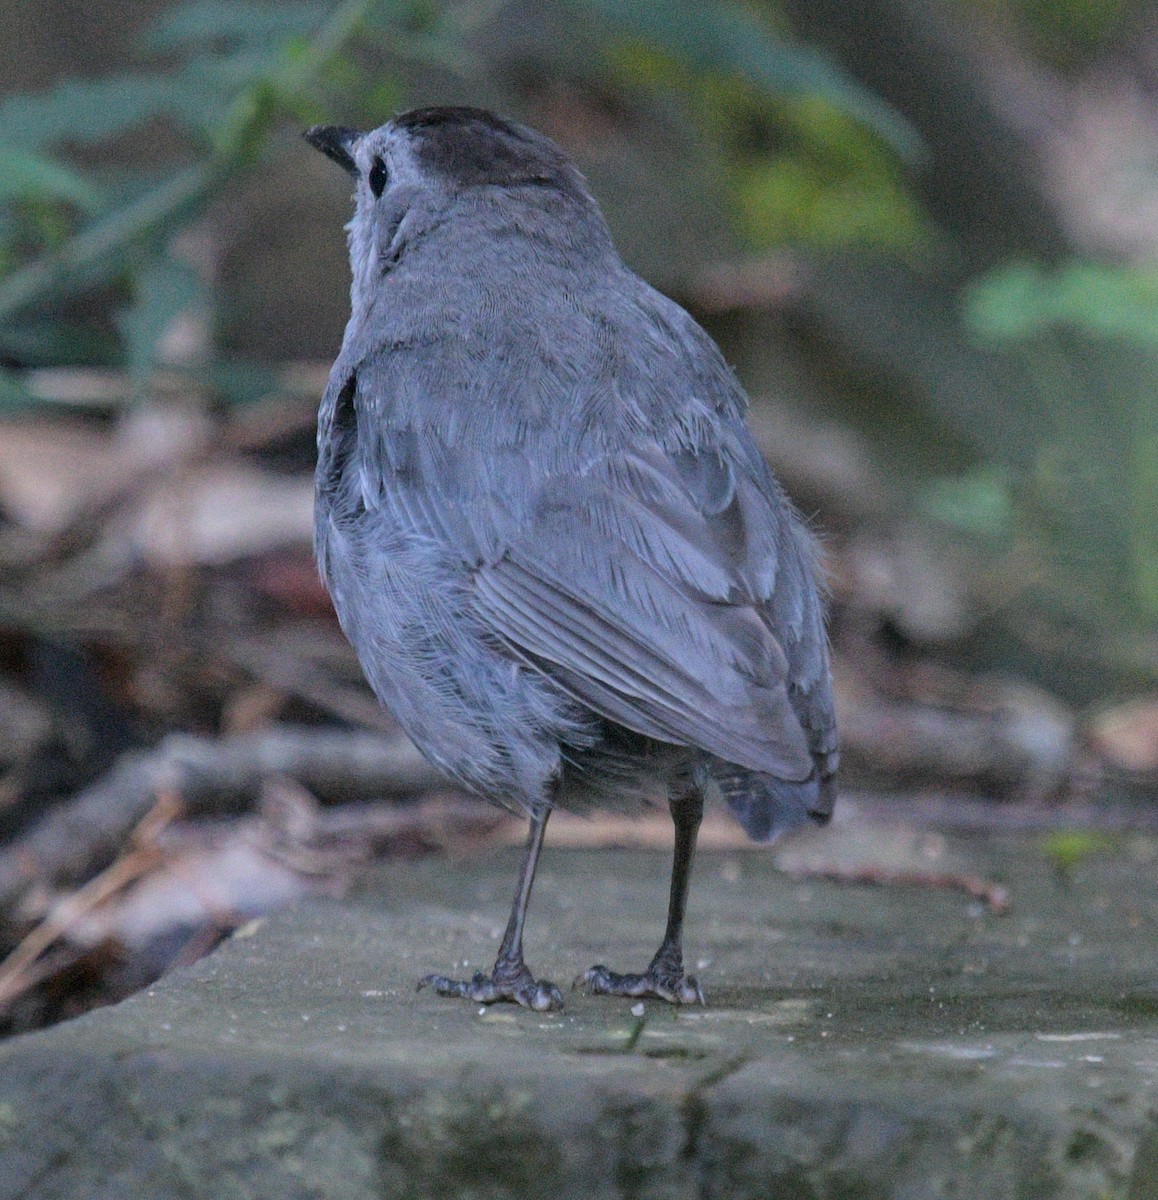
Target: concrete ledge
858	1042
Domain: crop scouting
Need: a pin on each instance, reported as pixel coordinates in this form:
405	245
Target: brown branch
210	775
995	895
18	971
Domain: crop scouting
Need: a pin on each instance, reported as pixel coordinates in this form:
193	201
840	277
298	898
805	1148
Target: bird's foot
510	982
663	983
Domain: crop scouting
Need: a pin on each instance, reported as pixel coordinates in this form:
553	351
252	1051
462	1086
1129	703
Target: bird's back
555	457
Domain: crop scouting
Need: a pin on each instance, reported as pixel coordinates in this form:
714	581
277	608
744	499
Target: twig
279	667
995	895
447	823
719	832
16	971
210	775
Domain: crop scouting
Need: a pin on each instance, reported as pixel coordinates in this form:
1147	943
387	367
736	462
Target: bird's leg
510	979
664	977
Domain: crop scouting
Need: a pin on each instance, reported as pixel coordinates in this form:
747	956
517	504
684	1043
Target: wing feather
646	649
661	578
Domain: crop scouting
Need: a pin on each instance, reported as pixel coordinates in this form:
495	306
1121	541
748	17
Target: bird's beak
336	142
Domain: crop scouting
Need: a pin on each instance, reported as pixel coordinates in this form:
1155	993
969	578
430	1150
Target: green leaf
1020	301
1143	499
979	504
726	37
209	22
29	175
830	184
165	288
53	341
98	250
1068	849
13	393
86	112
239	383
101	248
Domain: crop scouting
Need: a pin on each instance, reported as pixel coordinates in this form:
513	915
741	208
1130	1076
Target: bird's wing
644	583
660	577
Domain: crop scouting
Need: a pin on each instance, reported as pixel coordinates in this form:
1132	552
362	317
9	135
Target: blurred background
925	234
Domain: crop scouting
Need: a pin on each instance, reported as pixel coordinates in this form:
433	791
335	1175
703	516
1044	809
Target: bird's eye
378	177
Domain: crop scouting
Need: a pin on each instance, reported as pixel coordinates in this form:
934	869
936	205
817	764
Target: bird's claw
518	988
673	986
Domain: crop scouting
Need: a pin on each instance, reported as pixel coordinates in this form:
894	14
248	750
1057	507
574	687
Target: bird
545	525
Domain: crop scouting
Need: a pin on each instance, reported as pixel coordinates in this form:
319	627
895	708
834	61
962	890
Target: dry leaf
219	514
1127	735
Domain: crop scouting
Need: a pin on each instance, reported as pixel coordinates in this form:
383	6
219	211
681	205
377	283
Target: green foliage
165	289
223	75
235	74
801	168
1068	849
231	23
29	176
1093	482
87	112
830	184
1023	300
725	39
1067	35
980	503
1076	23
1067	32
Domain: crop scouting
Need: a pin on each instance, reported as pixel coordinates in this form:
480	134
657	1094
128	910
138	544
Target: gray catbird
545	525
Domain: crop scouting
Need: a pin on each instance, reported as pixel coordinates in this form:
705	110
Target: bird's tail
767	807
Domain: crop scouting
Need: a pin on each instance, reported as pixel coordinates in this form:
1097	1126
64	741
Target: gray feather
544	522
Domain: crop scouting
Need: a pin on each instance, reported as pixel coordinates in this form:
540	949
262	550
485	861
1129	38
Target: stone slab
859	1042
